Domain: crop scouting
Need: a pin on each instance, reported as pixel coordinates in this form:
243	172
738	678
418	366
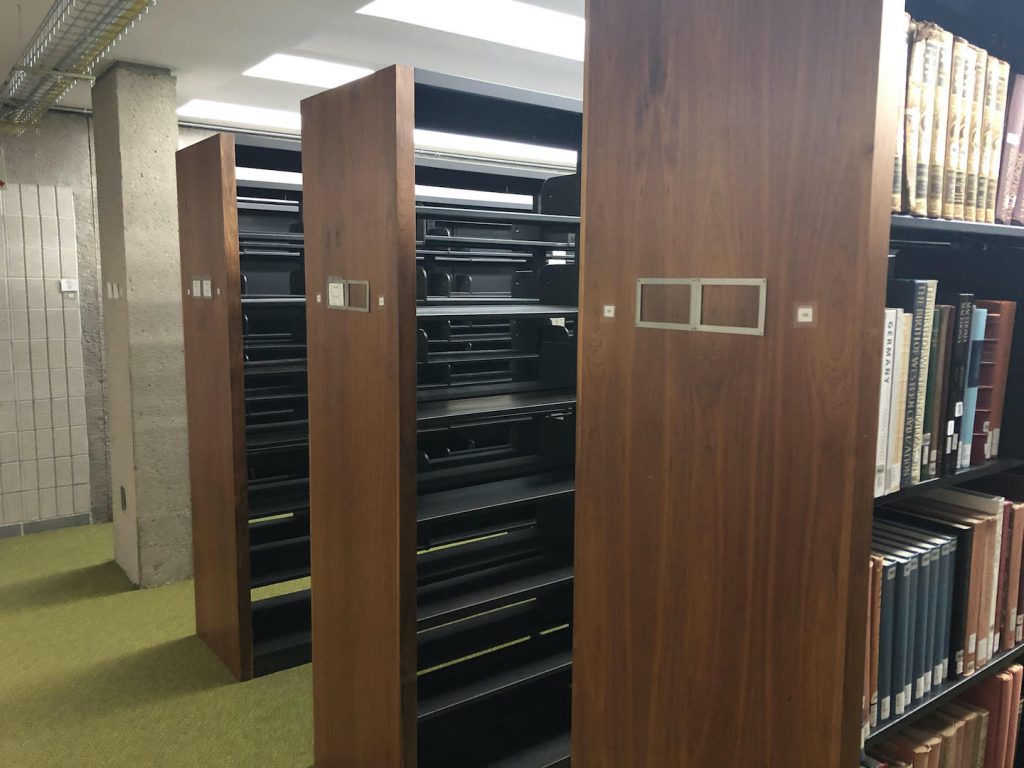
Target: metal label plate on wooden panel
712	305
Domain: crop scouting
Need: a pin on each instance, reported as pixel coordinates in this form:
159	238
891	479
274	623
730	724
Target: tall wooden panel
358	178
724	481
220	535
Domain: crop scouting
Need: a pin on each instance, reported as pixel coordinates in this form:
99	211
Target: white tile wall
44	460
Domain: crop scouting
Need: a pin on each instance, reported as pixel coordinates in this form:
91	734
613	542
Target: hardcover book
1012	160
974	140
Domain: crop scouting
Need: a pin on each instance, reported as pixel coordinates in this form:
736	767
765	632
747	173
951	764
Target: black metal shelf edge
257	300
520	666
520	490
550	753
944	694
961	476
494	310
477	214
429	414
928	230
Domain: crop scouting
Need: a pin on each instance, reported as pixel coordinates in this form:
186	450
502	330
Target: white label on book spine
945	669
995	441
959	663
982	649
995	643
1013	139
922	686
950	427
884	708
937	674
972	643
959	408
908	693
873	717
899	705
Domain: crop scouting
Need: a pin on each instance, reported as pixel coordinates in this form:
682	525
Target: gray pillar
136	138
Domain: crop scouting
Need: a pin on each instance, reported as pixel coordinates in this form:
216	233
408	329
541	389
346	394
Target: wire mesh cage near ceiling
73	38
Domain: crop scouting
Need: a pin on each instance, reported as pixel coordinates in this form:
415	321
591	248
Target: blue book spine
885	640
978	321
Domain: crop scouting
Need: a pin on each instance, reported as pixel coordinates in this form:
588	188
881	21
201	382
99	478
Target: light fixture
507	22
423	191
305	71
73	38
493	149
222	113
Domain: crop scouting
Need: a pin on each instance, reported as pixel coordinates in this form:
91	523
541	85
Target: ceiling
208	43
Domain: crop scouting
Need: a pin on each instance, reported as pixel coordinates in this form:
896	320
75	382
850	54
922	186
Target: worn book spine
953	178
974	135
988	119
886	640
913	181
959	360
885	400
937	399
940	125
927	312
878	565
931	388
903	42
898	407
1012	161
998	343
996	138
929	37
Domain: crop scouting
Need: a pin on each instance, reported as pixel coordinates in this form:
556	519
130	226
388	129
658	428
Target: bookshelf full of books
958	149
943	384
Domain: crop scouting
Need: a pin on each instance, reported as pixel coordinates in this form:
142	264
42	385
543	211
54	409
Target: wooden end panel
208	216
359	212
724	481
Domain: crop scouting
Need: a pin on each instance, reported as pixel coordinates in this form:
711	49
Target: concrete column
136	136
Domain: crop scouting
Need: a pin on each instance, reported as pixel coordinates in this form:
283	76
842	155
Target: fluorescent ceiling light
299	69
507	22
221	113
496	149
422	190
265	174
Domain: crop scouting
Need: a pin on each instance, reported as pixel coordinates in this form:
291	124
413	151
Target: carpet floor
94	673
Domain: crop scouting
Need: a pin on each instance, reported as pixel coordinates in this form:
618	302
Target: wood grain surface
724	482
208	217
359	211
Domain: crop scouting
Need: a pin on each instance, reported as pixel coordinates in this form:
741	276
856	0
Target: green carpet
96	673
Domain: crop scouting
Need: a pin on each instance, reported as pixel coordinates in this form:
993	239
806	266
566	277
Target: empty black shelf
274	367
471	409
494	310
500	217
274	562
477	356
497	242
519	490
272	300
463	596
492	674
284	652
551	752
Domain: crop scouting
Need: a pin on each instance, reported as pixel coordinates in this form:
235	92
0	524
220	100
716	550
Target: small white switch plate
68	285
805	314
197	288
335	293
207	288
609	310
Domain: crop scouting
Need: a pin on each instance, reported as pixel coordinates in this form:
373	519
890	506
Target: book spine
885	642
931	387
915	174
988	116
974	140
1012	161
964	129
927	321
911	437
898	407
940	123
900	74
929	36
971	387
953	178
937	398
957	383
998	122
885	399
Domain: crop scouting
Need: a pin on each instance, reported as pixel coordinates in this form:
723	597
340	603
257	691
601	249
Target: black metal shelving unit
272	275
496	317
